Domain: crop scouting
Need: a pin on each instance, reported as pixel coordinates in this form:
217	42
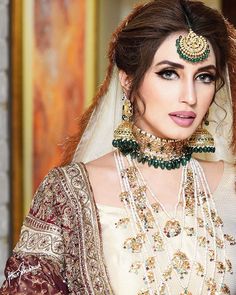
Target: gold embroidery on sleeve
39	237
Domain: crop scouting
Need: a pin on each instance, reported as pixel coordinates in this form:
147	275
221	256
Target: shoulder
219	173
104	180
211	166
104	165
57	190
102	171
106	160
60	177
217	167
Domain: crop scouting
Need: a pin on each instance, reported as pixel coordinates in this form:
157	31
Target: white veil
96	140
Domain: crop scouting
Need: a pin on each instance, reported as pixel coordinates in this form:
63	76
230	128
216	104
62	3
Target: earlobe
124	80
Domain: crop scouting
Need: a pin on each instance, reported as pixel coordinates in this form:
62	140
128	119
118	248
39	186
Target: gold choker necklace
157	152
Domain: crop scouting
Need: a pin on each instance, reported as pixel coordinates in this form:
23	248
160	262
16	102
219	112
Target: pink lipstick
183	118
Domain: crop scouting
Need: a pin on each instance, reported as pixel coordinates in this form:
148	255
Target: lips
183	118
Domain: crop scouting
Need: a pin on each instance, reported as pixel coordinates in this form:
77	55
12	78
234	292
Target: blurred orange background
58	79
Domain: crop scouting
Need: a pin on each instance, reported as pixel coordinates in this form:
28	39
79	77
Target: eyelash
204	77
162	74
210	77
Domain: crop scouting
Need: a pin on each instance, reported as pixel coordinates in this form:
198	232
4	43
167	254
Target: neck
159	152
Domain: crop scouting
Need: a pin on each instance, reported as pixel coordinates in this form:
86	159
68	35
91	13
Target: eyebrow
209	67
171	63
180	66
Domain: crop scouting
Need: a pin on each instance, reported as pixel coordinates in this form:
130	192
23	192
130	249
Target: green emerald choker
160	153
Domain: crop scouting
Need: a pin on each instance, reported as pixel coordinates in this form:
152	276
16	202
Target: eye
206	78
168	74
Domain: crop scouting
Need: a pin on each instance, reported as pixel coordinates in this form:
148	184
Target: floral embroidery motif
36	241
181	263
172	228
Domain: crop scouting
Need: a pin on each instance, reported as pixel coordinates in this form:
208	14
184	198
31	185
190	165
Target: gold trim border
16	126
28	46
90	82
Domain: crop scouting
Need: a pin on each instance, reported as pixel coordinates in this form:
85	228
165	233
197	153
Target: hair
136	40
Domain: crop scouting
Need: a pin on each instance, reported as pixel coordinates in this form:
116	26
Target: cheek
206	96
205	100
157	94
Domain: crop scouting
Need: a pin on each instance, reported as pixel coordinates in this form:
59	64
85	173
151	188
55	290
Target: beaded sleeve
36	266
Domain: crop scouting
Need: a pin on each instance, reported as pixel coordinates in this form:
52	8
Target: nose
189	94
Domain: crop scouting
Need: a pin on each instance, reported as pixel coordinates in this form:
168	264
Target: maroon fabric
60	240
33	275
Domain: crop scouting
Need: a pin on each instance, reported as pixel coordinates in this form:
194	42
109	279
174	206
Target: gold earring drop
124	139
202	141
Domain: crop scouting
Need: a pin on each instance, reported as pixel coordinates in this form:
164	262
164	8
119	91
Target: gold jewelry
157	241
205	119
201	141
124	139
157	152
193	48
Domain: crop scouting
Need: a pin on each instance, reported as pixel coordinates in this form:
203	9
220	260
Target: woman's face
177	93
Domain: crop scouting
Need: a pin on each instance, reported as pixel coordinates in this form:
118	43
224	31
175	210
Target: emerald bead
188	157
169	166
177	165
139	158
205	149
156	163
162	165
133	155
184	162
143	160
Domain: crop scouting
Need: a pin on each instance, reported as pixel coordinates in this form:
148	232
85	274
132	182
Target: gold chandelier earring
202	141
124	139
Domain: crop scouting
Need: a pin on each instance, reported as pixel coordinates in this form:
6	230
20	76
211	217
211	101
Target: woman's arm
32	274
37	263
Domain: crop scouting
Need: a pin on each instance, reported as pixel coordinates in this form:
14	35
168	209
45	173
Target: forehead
168	51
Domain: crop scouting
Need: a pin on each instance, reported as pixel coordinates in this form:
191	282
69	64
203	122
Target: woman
145	217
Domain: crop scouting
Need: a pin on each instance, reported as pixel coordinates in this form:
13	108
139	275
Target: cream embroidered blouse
60	248
119	260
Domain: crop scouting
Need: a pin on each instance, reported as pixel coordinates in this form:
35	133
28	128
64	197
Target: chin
181	135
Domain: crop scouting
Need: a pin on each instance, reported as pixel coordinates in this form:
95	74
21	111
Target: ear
125	80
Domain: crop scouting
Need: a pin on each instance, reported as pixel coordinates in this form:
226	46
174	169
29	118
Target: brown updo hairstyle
136	40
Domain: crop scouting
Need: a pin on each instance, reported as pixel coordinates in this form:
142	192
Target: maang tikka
193	47
124	139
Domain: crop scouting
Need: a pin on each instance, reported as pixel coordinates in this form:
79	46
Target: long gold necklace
165	262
